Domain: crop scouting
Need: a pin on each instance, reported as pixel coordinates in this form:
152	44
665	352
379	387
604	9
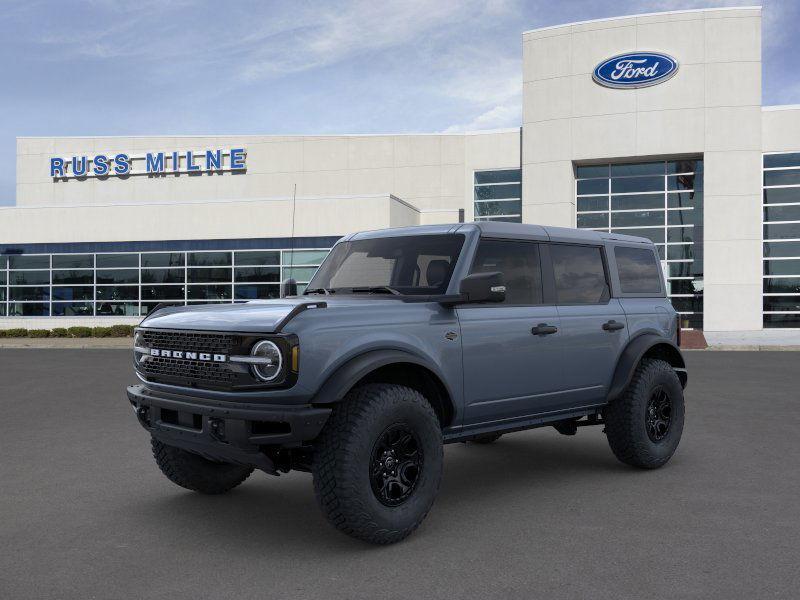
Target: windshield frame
327	270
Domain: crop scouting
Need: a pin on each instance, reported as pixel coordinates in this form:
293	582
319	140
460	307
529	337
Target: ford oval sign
635	70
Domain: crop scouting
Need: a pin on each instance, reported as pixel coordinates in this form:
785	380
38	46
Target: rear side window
638	271
579	274
519	264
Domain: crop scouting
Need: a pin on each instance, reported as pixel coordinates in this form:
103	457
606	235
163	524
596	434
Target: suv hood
258	316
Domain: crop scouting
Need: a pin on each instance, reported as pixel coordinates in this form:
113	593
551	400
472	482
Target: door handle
612	325
544	329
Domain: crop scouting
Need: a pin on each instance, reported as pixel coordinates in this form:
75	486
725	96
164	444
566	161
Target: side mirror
483	287
288	288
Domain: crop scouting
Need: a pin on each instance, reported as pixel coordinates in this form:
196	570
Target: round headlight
269	367
138	343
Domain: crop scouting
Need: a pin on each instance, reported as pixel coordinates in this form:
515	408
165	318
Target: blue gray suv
408	339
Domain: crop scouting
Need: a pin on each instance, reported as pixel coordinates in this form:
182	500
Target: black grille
184	371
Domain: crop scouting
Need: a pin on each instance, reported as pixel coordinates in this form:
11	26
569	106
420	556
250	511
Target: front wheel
193	472
378	463
644	425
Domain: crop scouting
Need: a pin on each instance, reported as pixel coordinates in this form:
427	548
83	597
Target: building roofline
652	14
781	107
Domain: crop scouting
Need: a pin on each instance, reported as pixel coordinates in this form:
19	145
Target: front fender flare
632	356
347	375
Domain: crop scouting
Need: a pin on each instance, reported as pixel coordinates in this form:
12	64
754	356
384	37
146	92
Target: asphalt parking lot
84	512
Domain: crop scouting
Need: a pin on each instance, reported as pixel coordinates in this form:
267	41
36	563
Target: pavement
85	513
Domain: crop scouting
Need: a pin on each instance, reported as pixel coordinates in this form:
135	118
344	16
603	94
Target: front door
511	350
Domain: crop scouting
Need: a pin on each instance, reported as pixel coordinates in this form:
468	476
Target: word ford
626	69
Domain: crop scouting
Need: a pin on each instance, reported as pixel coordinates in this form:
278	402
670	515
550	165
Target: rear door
593	323
511	351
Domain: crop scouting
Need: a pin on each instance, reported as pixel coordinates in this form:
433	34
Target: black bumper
230	432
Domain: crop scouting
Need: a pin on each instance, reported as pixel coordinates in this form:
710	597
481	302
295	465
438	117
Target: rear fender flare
633	354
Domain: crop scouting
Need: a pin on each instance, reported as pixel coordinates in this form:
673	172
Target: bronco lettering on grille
204	356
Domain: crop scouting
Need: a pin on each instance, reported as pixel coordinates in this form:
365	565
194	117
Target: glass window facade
781	291
659	200
498	195
129	284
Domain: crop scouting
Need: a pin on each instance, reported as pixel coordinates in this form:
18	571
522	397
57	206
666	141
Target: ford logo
635	70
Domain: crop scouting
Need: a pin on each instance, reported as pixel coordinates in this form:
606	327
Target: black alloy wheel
395	465
659	414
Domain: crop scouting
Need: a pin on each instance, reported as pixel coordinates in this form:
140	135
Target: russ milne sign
151	163
635	70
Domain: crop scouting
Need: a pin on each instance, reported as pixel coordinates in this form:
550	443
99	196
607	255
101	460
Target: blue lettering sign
123	165
79	166
635	70
154	163
237	159
190	166
56	167
100	164
176	162
213	160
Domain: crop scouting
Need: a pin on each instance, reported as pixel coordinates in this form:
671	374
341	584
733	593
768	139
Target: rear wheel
645	424
378	463
193	472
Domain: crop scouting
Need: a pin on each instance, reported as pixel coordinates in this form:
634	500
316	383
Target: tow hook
217	429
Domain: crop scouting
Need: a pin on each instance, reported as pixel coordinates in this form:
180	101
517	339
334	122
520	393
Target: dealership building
650	125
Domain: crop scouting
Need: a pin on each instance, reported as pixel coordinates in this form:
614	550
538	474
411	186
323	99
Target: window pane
118	309
519	264
163	259
782	213
118	292
163	275
639	273
258	274
782	195
593	203
650	168
684	286
684	166
681	269
680	234
788	177
593	186
73	277
499	208
73	293
580	277
3	262
685	200
782	267
118	276
593	220
162	292
680	252
783	285
494	192
775	321
637	219
592	171
778	249
791	159
684	182
2	278
73	309
29	277
688	304
208	275
29	293
3	309
73	261
782	231
637	184
29	262
256	292
148	306
637	201
656	234
209	292
209	259
684	217
117	260
299	274
791	303
29	309
499	176
259	258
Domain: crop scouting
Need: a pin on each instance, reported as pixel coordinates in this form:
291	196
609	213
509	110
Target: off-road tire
344	454
193	472
486	438
625	417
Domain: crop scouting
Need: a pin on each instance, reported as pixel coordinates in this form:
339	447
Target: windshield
418	264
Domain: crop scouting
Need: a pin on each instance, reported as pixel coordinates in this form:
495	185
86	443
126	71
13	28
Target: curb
67	343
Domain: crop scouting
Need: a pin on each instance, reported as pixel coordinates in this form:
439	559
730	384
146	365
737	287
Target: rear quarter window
638	270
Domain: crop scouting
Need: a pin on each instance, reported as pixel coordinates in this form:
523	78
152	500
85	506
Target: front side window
420	264
579	274
638	271
519	264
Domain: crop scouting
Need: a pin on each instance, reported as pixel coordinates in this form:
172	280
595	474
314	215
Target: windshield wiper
375	289
325	291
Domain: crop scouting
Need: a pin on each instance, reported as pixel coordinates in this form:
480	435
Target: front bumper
226	431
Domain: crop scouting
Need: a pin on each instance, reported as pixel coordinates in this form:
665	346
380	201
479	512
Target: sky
161	67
